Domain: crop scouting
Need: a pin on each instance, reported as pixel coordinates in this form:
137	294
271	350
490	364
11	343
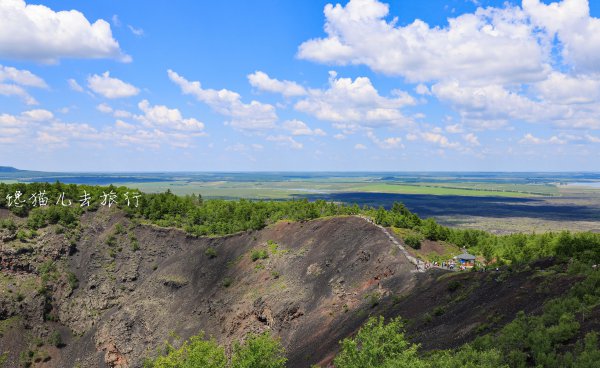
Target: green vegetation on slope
500	249
381	345
553	339
257	351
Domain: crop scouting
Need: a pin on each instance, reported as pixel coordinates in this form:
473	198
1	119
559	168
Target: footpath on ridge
419	265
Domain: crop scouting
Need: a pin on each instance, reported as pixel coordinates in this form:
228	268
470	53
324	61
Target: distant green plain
288	189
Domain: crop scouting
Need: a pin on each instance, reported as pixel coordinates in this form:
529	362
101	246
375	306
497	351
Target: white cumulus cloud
74	85
490	44
244	116
386	143
36	32
472	139
160	115
577	32
439	140
355	103
537	62
531	139
13	82
263	82
297	127
286	141
110	87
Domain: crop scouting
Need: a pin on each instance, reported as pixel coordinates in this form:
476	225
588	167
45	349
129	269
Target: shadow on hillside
448	205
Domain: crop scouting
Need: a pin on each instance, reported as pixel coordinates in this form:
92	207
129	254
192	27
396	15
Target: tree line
202	217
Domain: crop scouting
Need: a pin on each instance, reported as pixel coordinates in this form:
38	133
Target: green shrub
427	318
196	352
227	281
210	252
378	344
111	241
258	351
72	279
259	254
273	246
55	339
454	285
3	358
438	311
26	357
37	219
8	224
22	235
413	241
47	271
373	299
37	342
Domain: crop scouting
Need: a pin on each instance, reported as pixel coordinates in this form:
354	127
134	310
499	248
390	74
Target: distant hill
4	169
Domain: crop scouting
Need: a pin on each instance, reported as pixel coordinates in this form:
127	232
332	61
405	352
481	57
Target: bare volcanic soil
307	290
118	290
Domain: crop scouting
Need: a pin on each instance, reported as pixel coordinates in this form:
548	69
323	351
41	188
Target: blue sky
300	85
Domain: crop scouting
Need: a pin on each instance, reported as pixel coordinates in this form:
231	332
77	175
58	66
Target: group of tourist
448	265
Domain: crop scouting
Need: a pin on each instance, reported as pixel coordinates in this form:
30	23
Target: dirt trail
420	265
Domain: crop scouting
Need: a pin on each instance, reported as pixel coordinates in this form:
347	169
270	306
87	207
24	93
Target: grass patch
210	252
233	262
8	323
373	299
438	311
448	275
454	285
273	246
259	254
55	339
